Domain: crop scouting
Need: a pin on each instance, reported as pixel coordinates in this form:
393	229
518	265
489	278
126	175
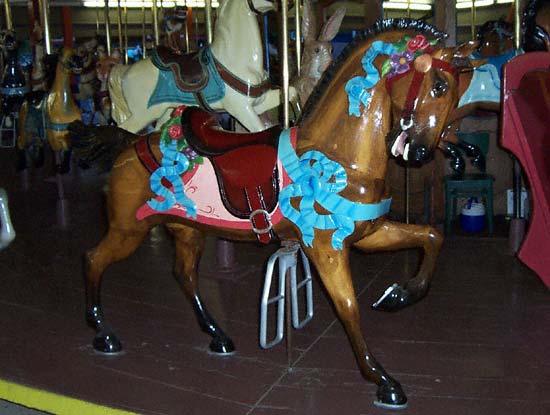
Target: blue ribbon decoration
357	87
173	165
317	179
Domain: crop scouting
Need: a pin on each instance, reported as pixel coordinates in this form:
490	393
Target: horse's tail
119	107
99	146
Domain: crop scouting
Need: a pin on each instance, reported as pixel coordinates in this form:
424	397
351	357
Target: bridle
406	120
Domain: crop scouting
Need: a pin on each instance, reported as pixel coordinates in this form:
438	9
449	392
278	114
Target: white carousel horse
7	233
141	93
317	55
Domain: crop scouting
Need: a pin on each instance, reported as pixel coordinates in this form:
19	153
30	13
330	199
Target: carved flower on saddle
418	43
189	153
175	132
400	62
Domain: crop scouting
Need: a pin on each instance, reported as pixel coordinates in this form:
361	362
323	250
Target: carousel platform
477	345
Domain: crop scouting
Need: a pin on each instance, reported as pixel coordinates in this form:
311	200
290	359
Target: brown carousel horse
321	184
48	120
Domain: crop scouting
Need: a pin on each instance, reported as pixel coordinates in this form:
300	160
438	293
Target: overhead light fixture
403	5
149	4
478	3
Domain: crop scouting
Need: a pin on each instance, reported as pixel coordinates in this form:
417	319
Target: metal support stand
287	256
62	204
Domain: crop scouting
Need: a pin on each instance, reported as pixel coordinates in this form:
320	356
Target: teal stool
478	185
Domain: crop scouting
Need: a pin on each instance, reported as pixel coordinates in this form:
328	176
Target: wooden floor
477	345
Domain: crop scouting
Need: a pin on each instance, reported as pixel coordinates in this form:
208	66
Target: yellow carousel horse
227	76
48	120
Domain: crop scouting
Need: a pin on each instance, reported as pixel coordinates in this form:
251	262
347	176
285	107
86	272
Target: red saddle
245	166
190	73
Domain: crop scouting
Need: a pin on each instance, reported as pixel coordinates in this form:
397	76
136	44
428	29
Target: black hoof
222	346
394	298
390	396
107	343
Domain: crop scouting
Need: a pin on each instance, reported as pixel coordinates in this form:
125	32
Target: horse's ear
332	26
461	51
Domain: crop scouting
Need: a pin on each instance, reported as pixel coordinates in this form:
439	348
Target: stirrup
288	257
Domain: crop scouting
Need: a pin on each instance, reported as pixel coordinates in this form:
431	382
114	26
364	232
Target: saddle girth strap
259	216
145	155
241	86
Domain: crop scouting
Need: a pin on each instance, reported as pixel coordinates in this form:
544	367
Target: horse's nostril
421	154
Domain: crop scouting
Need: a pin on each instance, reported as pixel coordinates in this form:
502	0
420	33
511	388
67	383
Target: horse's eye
317	49
439	88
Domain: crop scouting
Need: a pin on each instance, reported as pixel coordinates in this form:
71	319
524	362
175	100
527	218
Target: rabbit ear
332	25
309	22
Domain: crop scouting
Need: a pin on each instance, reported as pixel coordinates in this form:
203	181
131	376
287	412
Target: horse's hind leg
392	236
333	268
189	248
115	246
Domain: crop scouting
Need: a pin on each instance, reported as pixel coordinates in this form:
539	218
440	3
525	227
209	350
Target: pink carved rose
175	132
178	111
419	42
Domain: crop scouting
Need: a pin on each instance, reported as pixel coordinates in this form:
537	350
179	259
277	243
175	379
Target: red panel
526	133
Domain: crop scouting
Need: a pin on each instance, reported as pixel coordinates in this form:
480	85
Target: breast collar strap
414	88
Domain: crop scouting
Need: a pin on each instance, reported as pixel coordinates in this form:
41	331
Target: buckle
267	218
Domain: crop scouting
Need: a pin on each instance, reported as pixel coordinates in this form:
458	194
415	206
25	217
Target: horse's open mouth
400	146
77	71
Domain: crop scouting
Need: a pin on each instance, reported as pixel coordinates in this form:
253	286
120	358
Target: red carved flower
419	42
175	132
178	111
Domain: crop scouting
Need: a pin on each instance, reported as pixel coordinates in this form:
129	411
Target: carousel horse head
422	98
105	63
495	37
70	62
536	26
9	41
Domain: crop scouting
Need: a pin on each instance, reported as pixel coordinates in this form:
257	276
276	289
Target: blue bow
358	87
174	164
317	179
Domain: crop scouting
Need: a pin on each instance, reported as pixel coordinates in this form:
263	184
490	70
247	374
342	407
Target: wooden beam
445	19
373	11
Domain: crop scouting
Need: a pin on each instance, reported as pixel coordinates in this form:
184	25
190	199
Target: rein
252	8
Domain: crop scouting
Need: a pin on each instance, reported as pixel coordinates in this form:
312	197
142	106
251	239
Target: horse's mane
380	26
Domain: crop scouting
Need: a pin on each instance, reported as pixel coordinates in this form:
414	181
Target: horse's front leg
392	236
189	248
333	268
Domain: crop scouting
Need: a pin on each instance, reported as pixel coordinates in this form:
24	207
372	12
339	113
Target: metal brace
287	256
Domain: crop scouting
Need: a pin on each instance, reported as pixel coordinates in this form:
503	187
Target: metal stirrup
287	256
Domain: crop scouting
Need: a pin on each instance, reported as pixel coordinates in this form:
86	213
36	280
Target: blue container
473	216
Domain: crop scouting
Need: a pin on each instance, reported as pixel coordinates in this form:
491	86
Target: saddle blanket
201	186
166	89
